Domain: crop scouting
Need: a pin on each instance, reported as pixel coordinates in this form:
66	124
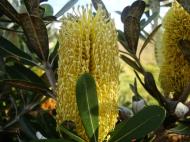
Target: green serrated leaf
148	119
87	103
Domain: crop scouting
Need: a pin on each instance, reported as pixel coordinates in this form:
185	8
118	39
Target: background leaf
87	103
48	10
145	121
65	8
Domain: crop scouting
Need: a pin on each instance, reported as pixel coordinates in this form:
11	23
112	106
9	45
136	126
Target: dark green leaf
20	72
7	49
184	46
65	8
181	129
27	128
71	135
87	103
132	31
36	33
185	4
47	123
151	87
148	119
8	10
131	63
53	140
2	68
28	86
148	40
48	10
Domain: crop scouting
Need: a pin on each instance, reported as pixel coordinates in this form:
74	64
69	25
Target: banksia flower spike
175	69
88	43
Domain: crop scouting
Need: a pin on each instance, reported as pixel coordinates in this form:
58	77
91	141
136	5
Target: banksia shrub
88	44
174	70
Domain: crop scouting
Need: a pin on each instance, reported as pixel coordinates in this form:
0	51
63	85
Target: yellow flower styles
88	43
175	69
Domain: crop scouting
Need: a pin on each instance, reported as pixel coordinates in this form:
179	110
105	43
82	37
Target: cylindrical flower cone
174	69
88	43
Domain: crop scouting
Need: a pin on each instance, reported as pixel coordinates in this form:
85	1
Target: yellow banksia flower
88	44
175	69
